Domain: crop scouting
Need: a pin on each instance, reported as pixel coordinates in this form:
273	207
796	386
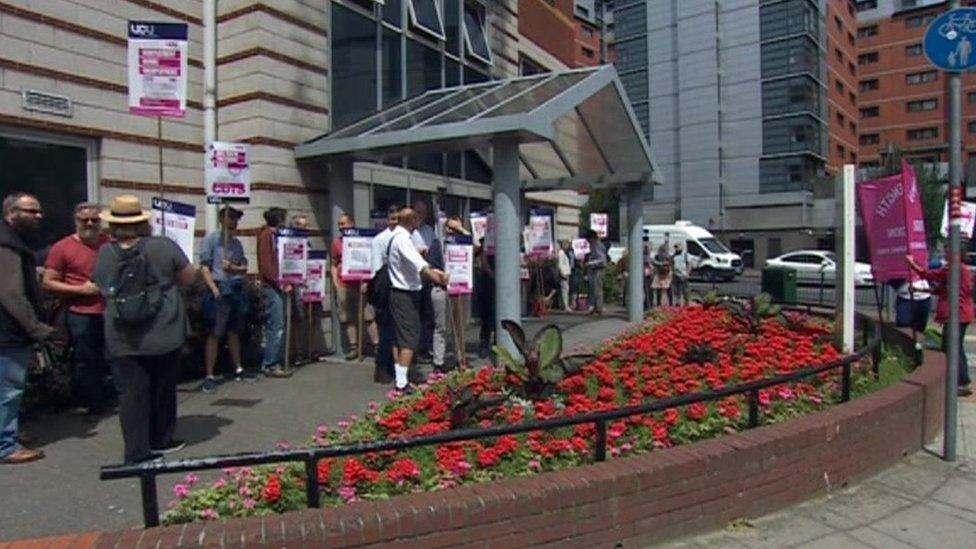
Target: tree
932	189
603	201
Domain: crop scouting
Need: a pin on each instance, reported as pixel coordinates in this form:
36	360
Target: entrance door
56	173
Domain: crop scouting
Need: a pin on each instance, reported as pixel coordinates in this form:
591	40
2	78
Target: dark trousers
963	362
147	401
88	344
384	354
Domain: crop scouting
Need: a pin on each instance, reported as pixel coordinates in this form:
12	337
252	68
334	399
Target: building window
971	126
868	85
913	51
838	23
869	112
922	105
841	152
971	98
865	32
353	64
793	173
922	133
423	68
852	98
475	37
867	58
840	118
786	96
781	19
921	77
586	31
425	16
791	56
853	127
839	55
839	86
869	139
919	20
864	5
588	53
850	39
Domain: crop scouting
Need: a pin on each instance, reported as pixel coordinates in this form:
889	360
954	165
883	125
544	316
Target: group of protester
124	313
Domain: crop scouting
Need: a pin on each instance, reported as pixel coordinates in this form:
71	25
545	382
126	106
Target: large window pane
795	55
474	76
423	68
452	25
793	134
475	40
787	18
793	173
384	197
425	16
797	94
391	67
353	66
452	73
391	13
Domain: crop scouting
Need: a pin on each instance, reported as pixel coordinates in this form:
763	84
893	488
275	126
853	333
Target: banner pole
159	155
359	324
463	363
309	332
288	298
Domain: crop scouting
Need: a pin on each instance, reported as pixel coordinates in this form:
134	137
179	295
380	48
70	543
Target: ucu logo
142	29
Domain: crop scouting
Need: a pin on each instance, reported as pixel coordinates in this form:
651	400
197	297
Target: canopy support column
635	264
340	202
508	222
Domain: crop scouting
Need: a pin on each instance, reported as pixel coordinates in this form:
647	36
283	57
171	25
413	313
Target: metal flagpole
953	346
162	191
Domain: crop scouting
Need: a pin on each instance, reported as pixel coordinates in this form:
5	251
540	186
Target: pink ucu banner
891	209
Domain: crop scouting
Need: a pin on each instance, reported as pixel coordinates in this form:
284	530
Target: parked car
816	266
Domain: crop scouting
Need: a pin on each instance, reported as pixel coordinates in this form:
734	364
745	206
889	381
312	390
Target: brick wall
638	499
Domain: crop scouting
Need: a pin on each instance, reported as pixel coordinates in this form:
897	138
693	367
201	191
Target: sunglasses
31	211
88	220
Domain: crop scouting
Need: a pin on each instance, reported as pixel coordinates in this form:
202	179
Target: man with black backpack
383	372
145	326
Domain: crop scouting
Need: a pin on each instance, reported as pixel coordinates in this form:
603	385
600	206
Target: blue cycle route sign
950	40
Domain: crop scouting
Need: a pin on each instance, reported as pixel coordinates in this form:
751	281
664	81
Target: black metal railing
148	471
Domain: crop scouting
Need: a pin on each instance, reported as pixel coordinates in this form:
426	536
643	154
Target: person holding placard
347	296
223	266
596	266
439	295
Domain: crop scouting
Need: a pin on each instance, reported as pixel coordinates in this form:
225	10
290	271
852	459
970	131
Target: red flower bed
685	351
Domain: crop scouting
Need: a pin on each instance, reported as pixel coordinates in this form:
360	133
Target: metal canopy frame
575	129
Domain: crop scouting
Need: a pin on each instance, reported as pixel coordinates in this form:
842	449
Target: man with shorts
407	272
223	266
348	296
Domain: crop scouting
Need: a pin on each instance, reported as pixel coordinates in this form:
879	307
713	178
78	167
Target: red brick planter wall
647	498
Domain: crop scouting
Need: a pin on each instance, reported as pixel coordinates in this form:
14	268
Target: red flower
403	470
697	411
324	470
272	489
354	472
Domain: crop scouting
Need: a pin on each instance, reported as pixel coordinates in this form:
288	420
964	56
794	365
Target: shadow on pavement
195	429
49	429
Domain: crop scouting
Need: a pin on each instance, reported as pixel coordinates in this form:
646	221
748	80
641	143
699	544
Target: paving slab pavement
62	493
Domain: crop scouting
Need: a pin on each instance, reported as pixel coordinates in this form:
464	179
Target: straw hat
125	209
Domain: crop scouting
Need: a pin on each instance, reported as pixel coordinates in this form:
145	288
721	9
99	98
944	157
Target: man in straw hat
145	326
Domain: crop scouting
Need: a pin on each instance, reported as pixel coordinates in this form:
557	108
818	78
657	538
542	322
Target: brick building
287	71
568	29
902	96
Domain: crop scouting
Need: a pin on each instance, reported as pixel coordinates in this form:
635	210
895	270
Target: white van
709	258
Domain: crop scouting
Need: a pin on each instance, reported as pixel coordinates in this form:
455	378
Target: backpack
135	295
378	289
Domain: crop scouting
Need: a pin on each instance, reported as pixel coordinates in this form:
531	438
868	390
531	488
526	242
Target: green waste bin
780	284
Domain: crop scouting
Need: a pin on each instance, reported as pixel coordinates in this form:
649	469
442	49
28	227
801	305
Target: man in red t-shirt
67	274
347	295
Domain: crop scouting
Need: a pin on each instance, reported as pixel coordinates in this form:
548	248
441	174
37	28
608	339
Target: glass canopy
575	128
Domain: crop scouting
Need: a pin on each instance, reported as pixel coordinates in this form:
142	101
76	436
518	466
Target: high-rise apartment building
742	103
902	96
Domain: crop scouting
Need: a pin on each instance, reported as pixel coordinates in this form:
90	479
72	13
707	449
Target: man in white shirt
383	371
407	272
565	270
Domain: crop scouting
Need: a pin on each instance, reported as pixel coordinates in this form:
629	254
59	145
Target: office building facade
738	100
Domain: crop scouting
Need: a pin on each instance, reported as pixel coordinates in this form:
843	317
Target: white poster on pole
581	247
357	254
180	220
539	239
292	255
459	264
599	223
157	68
968	220
314	289
228	171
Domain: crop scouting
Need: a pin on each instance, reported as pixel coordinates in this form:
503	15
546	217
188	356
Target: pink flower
815	399
209	514
244	491
461	468
534	465
343	424
283	445
191	479
181	490
218	484
229	471
347	493
249	503
372	406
